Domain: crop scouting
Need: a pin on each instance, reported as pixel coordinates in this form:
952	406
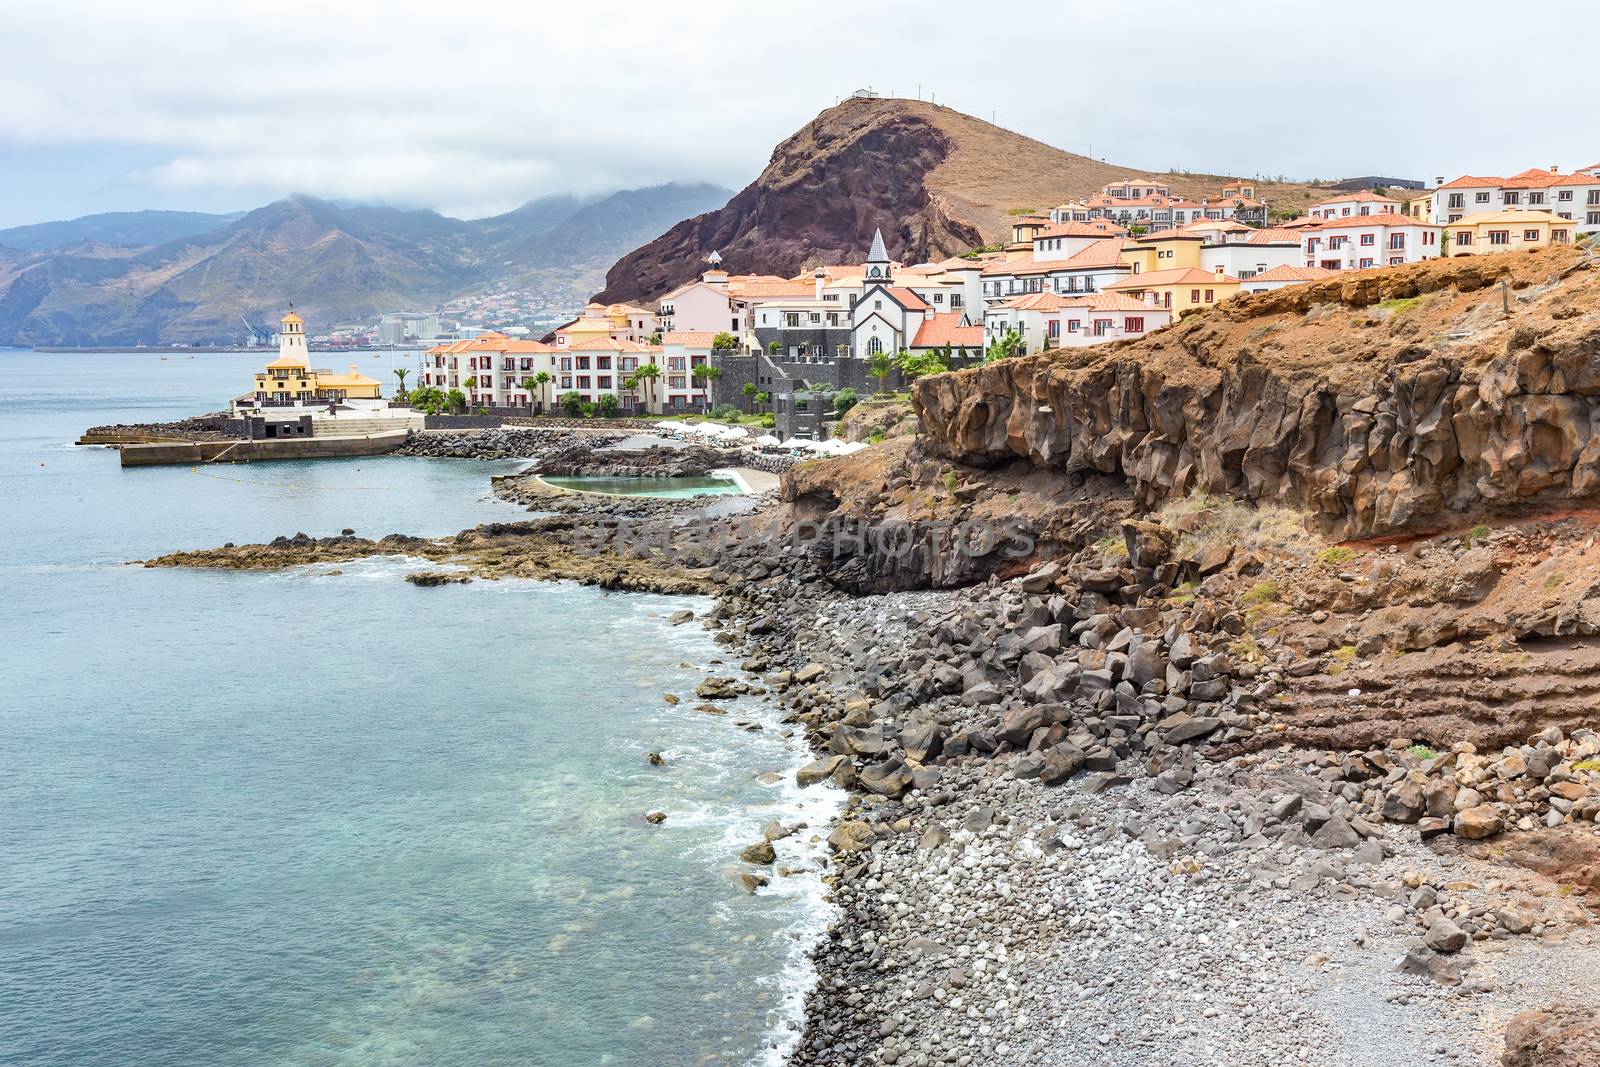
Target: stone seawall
178	452
1385	402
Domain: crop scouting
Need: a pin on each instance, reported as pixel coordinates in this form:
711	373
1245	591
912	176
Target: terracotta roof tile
1381	218
945	328
1293	274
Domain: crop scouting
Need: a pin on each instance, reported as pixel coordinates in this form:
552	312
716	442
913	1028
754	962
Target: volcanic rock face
1378	403
855	167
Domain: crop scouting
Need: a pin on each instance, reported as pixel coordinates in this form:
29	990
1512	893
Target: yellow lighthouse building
290	380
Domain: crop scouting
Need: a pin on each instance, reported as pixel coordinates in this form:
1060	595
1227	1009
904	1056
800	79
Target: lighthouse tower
292	351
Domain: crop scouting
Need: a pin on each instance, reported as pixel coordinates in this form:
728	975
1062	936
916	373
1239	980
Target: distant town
1131	259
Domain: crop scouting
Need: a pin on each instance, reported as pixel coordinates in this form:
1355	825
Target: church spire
878	259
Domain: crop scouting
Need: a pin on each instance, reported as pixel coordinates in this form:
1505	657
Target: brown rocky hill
938	181
1387	401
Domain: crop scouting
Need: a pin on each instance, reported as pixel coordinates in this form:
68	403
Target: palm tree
401	372
648	374
528	384
542	379
707	374
879	367
750	392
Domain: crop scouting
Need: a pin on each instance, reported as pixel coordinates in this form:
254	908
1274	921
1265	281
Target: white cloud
475	107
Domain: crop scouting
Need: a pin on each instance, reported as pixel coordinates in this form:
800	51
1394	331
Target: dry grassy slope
992	171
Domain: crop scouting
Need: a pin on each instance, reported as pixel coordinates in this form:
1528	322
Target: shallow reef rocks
1379	403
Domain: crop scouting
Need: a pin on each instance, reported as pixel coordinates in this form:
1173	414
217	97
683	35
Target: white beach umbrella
734	433
766	440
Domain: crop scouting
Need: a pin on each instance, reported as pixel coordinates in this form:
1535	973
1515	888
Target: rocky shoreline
1104	806
1027	875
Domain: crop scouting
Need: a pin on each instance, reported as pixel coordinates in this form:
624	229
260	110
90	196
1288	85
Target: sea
326	817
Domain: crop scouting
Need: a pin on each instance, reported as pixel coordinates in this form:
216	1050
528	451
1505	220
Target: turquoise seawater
335	819
686	486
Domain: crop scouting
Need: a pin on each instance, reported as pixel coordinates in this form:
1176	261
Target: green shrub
768	421
610	406
588	409
1336	555
844	400
1422	752
1260	593
572	404
1479	532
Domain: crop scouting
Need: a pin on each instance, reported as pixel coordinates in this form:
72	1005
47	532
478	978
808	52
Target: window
1397	240
1102	327
1535	198
1530	235
602	363
1133	325
1564	194
1194	296
874	346
605	381
1208	296
1395	261
1365	263
583	381
583	362
1074	325
1511	196
1428	236
1499	237
1463	238
1367	239
792	319
1055	328
1456	200
1482	198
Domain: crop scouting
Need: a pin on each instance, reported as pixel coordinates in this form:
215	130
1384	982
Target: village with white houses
1132	259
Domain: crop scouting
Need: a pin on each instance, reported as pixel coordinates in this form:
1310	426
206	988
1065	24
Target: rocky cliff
1383	402
939	183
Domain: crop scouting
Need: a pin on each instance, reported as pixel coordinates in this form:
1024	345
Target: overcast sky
473	108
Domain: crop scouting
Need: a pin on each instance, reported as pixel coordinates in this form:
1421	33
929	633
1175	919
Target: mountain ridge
335	262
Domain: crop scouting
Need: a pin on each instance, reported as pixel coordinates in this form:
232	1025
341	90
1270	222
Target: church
886	317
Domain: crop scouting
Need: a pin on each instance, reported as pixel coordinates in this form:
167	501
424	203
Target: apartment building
1358	242
1571	197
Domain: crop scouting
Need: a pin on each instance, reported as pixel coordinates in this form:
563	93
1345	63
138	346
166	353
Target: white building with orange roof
1360	242
1087	270
1281	277
1135	188
493	371
704	305
1361	202
1063	240
1046	320
1571	197
1246	251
